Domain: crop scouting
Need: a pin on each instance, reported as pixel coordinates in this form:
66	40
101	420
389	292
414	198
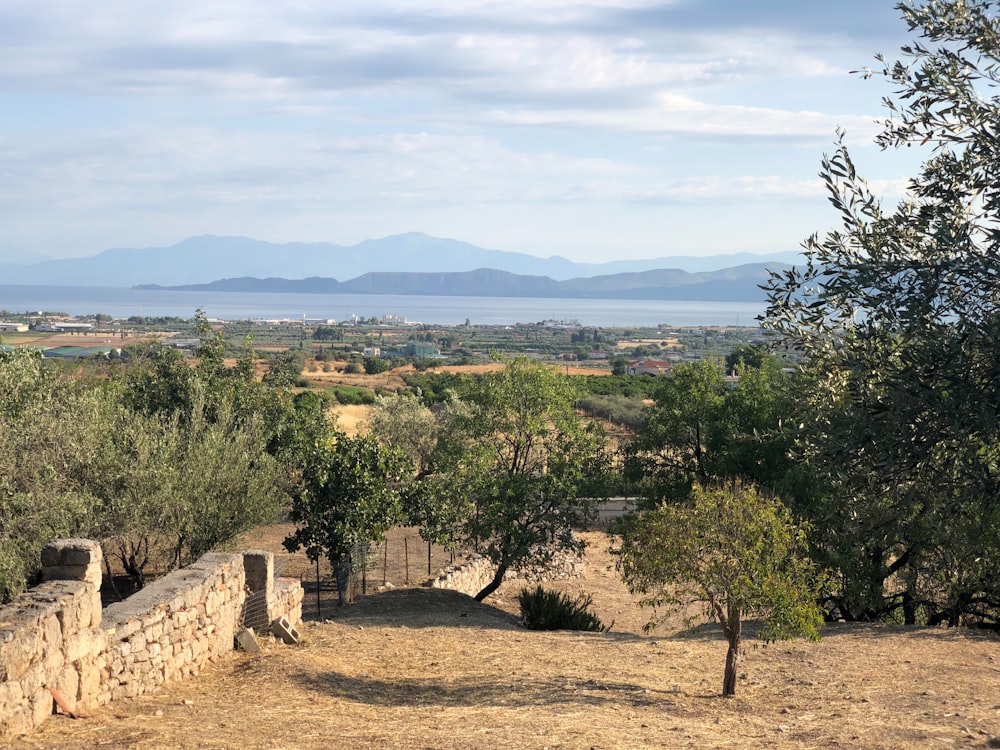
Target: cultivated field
421	668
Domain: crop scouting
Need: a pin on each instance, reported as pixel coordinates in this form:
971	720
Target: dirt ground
351	418
84	338
422	668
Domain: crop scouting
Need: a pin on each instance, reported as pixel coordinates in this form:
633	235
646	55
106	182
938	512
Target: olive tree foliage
511	458
159	460
897	317
50	429
174	486
733	549
404	422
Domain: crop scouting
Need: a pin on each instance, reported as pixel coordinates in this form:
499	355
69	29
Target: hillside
418	668
737	284
198	260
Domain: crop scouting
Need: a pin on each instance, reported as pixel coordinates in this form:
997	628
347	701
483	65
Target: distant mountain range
385	263
737	284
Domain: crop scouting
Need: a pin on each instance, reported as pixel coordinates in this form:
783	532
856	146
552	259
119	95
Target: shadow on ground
513	692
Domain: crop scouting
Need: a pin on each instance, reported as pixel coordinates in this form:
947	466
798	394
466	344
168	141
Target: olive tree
512	456
50	432
733	549
897	317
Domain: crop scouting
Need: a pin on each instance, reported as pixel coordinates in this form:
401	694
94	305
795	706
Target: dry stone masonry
56	637
471	576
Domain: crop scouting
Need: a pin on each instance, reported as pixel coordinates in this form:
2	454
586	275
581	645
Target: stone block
283	629
41	706
247	641
68	685
76	559
18	650
90	684
11	697
18	723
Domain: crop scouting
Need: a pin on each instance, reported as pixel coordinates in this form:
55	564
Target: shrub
351	395
551	610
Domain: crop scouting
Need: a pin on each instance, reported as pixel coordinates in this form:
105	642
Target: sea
120	302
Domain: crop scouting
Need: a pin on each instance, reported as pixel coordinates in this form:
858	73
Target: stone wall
56	637
471	576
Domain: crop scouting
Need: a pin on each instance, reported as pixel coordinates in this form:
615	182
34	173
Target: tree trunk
734	630
342	570
732	664
493	585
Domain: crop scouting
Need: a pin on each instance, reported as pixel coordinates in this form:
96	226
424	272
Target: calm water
122	303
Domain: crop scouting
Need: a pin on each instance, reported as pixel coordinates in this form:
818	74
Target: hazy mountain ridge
201	260
736	284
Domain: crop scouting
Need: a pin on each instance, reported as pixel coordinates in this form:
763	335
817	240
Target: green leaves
731	548
897	317
350	494
511	456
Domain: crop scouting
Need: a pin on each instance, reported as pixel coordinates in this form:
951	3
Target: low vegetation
554	610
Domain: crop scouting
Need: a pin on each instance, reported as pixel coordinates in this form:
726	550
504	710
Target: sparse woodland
866	441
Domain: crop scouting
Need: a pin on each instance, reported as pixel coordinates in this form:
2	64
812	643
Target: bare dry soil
422	668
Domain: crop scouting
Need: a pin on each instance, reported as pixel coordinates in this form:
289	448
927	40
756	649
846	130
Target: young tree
511	458
897	317
733	549
350	495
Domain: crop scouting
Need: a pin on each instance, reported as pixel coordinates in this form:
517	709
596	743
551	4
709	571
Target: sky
597	130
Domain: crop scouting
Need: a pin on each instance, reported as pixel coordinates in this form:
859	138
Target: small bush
351	395
551	610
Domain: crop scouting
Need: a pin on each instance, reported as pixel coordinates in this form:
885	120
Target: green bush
352	395
551	610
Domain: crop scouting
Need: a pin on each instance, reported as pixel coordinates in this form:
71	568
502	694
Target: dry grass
83	339
421	668
353	418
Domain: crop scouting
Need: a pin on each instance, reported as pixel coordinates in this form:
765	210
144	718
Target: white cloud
313	115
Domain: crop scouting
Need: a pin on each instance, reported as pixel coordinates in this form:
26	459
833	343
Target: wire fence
402	560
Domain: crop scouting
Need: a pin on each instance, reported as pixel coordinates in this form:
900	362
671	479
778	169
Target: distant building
177	343
649	367
78	352
372	351
13	327
63	326
420	349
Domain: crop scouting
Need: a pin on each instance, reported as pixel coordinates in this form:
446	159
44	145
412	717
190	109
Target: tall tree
698	429
897	317
511	458
350	495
